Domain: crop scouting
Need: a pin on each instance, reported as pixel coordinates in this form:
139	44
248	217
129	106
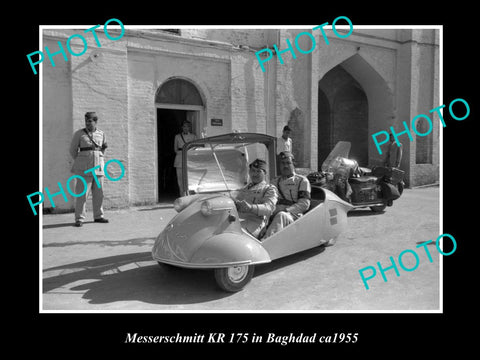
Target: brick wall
57	127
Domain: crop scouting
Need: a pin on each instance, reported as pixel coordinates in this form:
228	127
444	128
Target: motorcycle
362	187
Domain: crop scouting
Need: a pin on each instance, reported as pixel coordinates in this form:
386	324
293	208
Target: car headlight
216	204
206	208
181	203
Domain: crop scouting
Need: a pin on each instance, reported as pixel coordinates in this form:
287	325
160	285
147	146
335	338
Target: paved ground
106	267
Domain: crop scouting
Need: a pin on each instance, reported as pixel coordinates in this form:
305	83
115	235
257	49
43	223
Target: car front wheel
234	278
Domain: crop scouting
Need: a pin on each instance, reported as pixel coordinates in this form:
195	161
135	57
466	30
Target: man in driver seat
294	195
256	201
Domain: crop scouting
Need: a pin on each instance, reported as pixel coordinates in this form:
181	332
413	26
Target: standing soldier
284	143
181	139
256	201
294	195
394	153
87	149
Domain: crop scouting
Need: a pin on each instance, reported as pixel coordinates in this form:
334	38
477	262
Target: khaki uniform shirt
263	197
294	194
87	154
394	155
284	145
178	142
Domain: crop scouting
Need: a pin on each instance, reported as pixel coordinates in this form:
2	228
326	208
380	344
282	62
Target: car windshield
341	150
221	167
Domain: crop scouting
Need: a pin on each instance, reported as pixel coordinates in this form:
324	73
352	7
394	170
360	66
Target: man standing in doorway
87	149
394	153
284	144
180	140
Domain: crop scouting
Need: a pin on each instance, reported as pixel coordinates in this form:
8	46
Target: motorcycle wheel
400	186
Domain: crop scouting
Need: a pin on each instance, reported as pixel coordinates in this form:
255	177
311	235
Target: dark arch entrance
342	115
176	100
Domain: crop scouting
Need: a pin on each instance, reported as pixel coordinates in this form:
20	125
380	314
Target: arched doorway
176	101
342	115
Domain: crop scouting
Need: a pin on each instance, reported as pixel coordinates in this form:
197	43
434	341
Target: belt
88	148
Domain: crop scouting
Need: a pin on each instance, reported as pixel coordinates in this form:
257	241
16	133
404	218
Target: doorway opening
177	101
342	115
169	124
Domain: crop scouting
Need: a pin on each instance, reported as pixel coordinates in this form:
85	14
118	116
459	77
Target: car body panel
192	239
229	249
319	225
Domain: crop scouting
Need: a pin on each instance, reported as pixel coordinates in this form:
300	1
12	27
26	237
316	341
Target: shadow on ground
364	212
158	207
53	226
142	241
135	277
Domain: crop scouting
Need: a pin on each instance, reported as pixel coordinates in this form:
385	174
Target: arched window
178	91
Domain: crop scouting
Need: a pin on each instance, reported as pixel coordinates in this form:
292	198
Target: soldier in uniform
284	143
178	142
87	149
394	153
256	201
293	195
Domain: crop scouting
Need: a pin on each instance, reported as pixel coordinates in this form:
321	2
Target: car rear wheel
379	208
234	278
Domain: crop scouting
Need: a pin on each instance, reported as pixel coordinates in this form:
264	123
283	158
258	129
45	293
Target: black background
390	334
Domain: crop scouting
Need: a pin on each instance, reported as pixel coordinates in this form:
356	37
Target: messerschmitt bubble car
207	232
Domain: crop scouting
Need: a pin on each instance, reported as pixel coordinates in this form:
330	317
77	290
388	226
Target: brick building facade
143	85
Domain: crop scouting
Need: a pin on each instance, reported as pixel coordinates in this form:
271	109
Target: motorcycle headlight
206	208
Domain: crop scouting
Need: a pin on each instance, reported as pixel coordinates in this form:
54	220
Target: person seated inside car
256	201
293	195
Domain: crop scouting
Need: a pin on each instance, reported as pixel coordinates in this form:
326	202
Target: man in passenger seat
294	195
256	201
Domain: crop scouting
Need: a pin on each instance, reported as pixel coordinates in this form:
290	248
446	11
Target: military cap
259	164
287	128
91	115
286	154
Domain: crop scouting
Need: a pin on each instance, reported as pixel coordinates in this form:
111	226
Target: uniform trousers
97	197
179	180
279	221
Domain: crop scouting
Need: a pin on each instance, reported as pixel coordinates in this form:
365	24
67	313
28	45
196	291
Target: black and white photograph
236	169
301	185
